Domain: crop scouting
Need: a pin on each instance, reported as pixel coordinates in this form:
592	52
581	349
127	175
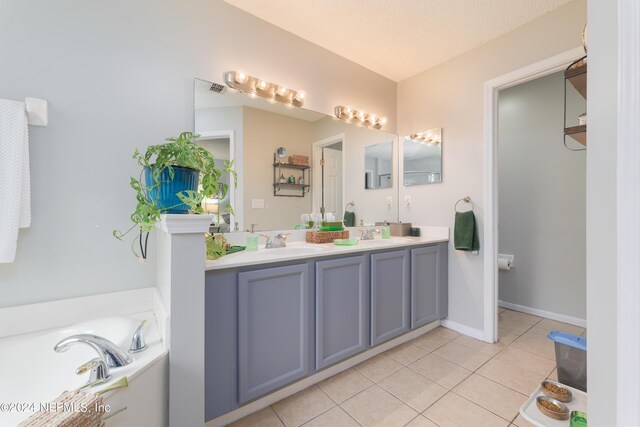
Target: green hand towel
350	219
465	232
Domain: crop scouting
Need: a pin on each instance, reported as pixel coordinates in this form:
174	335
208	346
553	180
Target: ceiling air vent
215	87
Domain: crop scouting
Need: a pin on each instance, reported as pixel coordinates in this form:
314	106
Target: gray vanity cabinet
273	328
342	309
429	299
389	295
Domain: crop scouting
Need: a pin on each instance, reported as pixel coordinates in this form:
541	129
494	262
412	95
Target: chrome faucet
138	343
99	372
112	355
277	241
368	233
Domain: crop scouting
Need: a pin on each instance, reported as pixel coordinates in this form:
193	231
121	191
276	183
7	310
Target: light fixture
253	86
429	137
211	205
359	117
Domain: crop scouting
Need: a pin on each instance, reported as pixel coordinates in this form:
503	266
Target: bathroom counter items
297	248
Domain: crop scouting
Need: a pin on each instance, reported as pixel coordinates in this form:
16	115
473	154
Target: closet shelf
579	133
577	76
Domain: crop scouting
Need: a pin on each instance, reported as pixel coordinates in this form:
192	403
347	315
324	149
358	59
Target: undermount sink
384	241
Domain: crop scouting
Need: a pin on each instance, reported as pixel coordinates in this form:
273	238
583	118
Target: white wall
602	307
451	96
542	198
119	75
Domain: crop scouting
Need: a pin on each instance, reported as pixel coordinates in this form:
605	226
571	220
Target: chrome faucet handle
99	371
138	343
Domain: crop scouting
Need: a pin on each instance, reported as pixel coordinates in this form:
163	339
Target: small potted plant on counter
175	179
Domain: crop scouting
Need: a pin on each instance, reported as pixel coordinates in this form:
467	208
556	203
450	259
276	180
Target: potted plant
175	178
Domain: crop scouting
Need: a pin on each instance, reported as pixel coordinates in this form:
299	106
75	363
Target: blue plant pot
165	195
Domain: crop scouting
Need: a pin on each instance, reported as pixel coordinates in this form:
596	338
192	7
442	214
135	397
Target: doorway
327	186
490	236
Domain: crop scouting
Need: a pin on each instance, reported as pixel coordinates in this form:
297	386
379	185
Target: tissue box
397	228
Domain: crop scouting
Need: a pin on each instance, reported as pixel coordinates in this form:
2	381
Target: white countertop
297	248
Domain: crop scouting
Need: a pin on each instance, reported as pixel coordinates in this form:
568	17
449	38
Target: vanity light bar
256	87
425	137
360	117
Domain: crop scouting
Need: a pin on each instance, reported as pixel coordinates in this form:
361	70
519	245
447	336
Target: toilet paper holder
505	261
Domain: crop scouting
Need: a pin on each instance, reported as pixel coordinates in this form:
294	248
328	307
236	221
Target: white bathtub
31	372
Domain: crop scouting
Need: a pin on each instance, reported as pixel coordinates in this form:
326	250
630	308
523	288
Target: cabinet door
425	286
389	295
273	322
341	309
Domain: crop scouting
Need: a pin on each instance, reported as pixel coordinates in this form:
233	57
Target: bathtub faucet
110	353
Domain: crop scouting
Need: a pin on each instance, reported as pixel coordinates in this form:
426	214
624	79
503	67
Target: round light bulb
300	95
241	77
383	120
283	91
348	111
373	119
361	116
263	85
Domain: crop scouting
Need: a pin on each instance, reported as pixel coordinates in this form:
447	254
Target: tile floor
441	378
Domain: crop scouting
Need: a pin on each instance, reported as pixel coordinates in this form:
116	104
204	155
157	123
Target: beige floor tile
447	333
406	353
421	421
378	367
455	411
344	385
529	319
535	341
492	396
429	341
552	325
512	326
511	376
333	418
553	376
377	407
481	346
263	418
413	389
506	337
462	356
529	361
521	422
437	369
302	406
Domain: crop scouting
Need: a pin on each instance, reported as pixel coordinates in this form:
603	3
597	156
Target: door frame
316	173
490	237
235	192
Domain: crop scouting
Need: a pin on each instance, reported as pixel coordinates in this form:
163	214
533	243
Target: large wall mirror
235	126
422	158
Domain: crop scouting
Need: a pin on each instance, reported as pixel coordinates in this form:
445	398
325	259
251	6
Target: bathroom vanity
276	316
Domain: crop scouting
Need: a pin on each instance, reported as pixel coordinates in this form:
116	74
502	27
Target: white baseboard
463	329
543	313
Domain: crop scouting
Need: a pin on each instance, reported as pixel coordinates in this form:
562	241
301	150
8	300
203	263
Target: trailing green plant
181	151
216	246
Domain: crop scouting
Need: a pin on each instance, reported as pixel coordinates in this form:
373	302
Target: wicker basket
299	160
326	236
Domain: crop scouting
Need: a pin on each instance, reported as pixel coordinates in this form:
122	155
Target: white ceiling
398	38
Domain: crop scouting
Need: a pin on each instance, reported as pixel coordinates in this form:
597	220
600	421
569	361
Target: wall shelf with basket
291	186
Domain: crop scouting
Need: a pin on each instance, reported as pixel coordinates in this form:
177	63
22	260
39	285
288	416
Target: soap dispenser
252	239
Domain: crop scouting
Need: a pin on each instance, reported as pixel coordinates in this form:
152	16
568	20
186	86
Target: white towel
15	185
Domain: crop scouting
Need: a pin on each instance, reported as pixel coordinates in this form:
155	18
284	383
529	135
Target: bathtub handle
99	371
138	343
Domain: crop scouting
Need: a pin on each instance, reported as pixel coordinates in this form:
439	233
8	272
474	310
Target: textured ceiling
398	38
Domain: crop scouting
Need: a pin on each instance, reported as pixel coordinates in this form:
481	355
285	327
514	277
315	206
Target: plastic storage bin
571	359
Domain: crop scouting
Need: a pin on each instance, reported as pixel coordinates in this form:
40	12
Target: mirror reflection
378	166
292	163
422	158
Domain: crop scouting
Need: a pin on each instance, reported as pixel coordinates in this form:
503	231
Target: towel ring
465	199
353	207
